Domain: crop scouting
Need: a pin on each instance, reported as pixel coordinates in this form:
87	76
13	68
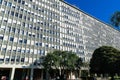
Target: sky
101	9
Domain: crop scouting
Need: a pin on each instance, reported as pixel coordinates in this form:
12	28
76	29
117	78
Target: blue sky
101	9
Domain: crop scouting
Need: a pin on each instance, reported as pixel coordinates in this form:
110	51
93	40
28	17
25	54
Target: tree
115	19
62	60
78	65
50	61
104	60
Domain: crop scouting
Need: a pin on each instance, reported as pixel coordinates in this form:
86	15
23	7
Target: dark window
16	14
0	1
20	41
12	13
18	30
24	17
20	16
9	28
3	49
1	37
19	50
11	39
28	18
23	23
22	59
21	9
13	6
33	35
14	50
29	34
37	28
47	46
25	41
40	44
13	30
36	44
19	1
23	2
7	59
15	0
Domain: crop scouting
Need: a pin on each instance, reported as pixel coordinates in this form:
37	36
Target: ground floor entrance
33	74
5	72
21	73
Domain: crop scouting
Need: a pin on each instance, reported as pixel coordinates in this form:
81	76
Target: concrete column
41	74
12	74
31	74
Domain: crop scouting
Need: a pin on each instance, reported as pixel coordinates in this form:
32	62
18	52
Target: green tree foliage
105	60
62	60
115	19
79	63
50	61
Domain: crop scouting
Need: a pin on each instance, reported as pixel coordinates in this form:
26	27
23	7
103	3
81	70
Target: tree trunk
79	73
112	77
47	75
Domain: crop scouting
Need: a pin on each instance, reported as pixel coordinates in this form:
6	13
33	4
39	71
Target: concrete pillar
12	74
31	74
41	74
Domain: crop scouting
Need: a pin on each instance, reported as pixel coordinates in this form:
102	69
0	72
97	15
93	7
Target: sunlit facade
30	29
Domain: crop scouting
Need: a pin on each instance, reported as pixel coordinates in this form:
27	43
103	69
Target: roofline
89	14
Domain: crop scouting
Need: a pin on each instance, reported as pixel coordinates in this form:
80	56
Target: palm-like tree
62	60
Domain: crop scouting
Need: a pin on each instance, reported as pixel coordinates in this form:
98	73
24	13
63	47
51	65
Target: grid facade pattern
31	28
28	29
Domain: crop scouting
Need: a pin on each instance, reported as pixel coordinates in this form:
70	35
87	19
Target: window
8	12
23	24
3	49
14	50
22	51
17	30
11	39
9	4
18	7
25	41
20	16
12	13
13	58
19	50
22	59
0	1
1	37
20	41
19	1
24	17
21	32
5	2
27	51
23	2
13	30
36	44
40	44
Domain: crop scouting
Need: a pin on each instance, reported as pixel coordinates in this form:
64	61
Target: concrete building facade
29	29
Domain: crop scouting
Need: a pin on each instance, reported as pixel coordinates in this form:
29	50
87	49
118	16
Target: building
31	28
